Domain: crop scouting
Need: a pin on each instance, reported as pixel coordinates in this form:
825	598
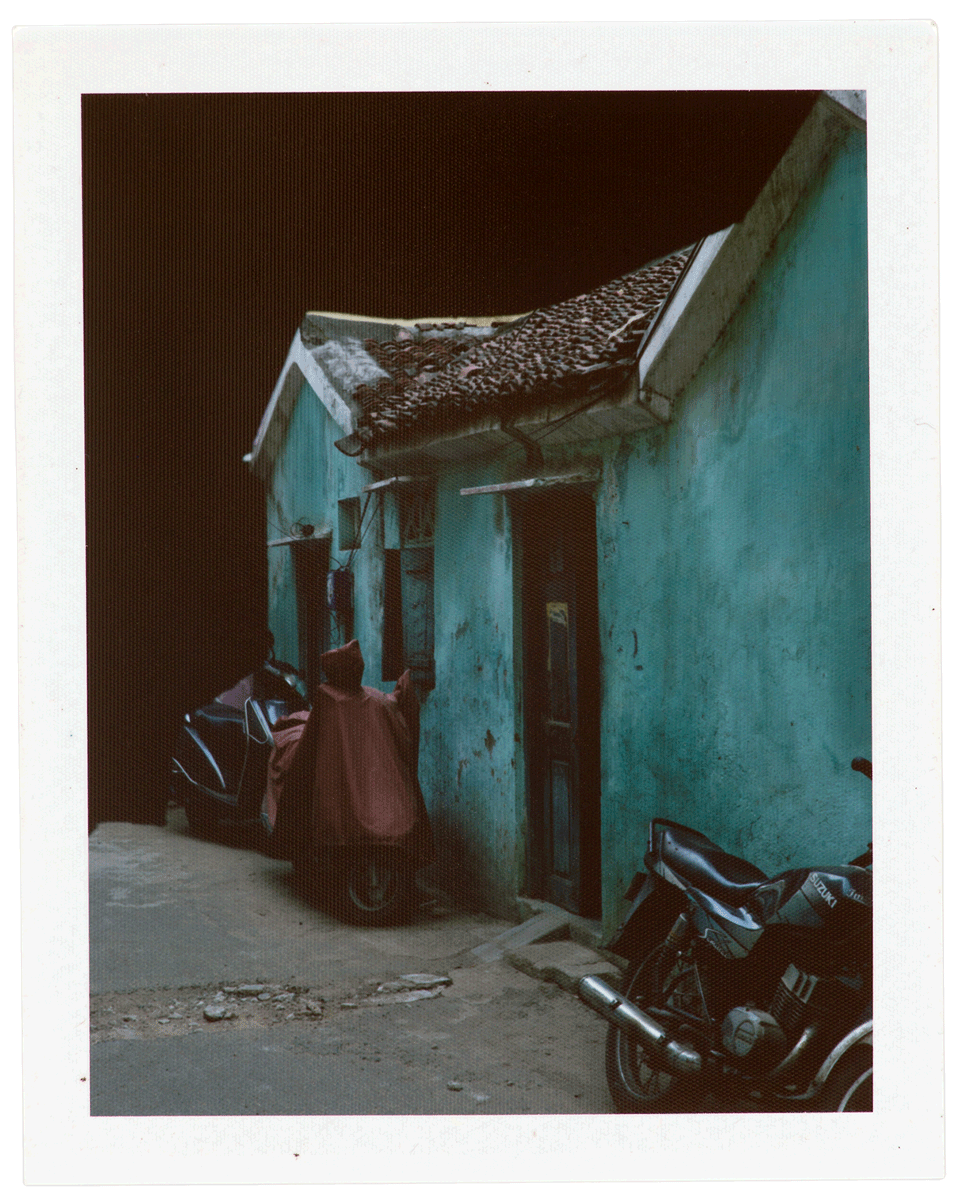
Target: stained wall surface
735	569
734	589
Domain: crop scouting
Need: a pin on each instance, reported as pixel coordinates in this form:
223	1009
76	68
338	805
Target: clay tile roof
448	376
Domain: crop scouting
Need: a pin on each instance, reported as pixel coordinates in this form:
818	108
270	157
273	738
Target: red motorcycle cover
346	772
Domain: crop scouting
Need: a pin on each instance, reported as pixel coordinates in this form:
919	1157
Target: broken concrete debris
218	1012
405	989
409	983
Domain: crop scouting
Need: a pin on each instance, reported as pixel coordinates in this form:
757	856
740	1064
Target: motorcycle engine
801	999
751	1031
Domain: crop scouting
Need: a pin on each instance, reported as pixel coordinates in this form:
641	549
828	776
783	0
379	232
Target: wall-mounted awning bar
395	481
540	481
318	535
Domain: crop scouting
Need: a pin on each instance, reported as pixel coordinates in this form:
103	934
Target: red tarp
346	772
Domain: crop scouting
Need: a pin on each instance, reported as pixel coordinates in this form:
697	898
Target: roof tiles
447	375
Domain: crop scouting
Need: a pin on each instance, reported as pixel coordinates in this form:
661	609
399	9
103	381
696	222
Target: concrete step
553	945
582	930
538	928
564	963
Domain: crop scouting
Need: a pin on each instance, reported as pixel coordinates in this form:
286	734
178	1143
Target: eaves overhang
328	352
552	424
693	318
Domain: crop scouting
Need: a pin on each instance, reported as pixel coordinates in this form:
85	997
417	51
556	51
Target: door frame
529	579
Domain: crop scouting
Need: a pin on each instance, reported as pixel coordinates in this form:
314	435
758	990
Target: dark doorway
561	673
311	561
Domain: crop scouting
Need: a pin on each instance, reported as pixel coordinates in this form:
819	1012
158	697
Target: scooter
344	796
220	758
749	991
333	785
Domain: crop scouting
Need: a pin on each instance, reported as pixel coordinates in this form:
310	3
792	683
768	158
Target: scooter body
219	762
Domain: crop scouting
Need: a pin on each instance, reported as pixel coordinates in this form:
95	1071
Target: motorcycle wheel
376	887
199	818
849	1087
636	1082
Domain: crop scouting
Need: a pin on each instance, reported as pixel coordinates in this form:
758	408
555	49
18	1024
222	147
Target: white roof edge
725	264
412	323
272	403
299	365
689	282
855	102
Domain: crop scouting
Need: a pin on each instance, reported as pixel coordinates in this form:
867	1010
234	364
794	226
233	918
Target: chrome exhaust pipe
679	1058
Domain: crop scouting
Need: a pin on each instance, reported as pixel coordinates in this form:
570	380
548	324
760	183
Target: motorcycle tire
849	1087
376	887
637	1084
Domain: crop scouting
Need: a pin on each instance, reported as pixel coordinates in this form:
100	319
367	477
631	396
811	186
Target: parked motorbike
344	797
219	765
748	989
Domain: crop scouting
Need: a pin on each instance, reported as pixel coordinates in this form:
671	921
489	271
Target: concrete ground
217	990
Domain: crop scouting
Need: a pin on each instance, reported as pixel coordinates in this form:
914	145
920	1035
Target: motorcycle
343	797
747	990
333	784
220	757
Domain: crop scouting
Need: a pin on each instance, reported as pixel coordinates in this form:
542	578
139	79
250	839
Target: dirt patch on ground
173	1012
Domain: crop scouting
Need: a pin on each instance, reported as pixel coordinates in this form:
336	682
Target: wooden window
349	523
408	588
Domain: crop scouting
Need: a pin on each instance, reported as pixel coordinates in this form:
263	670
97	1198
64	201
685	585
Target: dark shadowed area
213	222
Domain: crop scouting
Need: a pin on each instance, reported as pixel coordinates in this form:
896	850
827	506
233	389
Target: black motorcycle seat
705	865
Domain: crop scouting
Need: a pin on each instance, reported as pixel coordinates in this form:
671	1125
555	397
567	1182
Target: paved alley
217	990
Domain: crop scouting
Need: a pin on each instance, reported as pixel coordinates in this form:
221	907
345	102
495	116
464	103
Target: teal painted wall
309	477
470	762
470	768
735	570
734	590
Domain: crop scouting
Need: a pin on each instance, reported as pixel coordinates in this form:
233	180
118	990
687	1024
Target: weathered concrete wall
470	761
309	478
470	766
735	570
734	591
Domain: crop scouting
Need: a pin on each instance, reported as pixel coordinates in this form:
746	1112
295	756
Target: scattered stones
218	1012
404	997
410	983
428	980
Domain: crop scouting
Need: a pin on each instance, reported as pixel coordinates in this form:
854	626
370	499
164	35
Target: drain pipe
534	460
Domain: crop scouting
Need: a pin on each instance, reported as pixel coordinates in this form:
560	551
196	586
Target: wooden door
311	560
561	690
